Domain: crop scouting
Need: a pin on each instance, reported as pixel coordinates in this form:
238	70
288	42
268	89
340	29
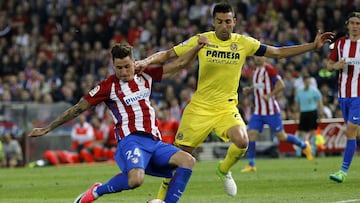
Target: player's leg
185	163
131	159
350	110
163	190
237	148
230	126
276	126
255	126
165	159
193	129
303	132
251	152
349	151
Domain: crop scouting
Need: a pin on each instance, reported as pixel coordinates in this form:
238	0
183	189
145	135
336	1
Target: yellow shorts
197	122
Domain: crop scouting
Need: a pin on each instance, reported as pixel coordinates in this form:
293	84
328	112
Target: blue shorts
257	122
140	151
350	108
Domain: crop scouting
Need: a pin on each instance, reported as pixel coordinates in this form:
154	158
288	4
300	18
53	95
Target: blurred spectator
101	134
12	152
167	125
82	136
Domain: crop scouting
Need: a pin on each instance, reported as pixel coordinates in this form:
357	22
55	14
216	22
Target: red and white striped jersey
264	79
348	82
129	102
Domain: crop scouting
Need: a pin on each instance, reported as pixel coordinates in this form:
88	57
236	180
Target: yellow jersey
220	65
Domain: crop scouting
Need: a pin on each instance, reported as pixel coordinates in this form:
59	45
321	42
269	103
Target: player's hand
322	38
339	65
266	97
203	40
141	65
37	132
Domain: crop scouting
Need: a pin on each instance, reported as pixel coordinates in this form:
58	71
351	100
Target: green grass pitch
276	180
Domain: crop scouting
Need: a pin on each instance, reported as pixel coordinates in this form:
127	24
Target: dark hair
352	14
222	8
121	51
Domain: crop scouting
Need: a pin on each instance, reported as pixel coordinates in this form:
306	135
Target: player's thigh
256	123
131	153
229	118
354	111
161	164
195	126
275	123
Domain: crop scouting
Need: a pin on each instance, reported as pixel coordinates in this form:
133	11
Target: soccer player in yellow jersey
213	106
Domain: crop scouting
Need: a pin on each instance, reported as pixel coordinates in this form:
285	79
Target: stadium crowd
57	50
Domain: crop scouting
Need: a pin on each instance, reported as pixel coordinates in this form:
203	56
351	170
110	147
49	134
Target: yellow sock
232	156
163	188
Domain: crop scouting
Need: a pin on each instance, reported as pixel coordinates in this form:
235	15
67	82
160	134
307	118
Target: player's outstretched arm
66	116
157	58
284	52
185	59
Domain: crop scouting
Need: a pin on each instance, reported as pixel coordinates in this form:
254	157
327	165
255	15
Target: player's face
354	26
124	68
224	24
259	60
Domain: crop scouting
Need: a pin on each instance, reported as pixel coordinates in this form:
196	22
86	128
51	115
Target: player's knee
239	137
183	159
135	182
188	161
135	178
241	143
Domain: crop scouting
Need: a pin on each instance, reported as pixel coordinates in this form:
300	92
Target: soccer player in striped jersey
213	106
140	150
345	58
266	84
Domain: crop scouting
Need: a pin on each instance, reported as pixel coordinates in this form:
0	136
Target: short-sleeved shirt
349	76
220	67
308	99
129	102
264	80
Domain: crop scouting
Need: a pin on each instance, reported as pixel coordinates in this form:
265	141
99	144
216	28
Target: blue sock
116	184
348	155
251	153
177	185
296	141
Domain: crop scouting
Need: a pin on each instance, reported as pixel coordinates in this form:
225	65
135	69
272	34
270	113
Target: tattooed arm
66	116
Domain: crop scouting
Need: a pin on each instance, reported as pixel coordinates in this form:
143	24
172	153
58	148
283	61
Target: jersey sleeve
100	92
155	72
273	74
252	45
183	47
333	54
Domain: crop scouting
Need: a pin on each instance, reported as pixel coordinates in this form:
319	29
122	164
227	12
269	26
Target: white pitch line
346	201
